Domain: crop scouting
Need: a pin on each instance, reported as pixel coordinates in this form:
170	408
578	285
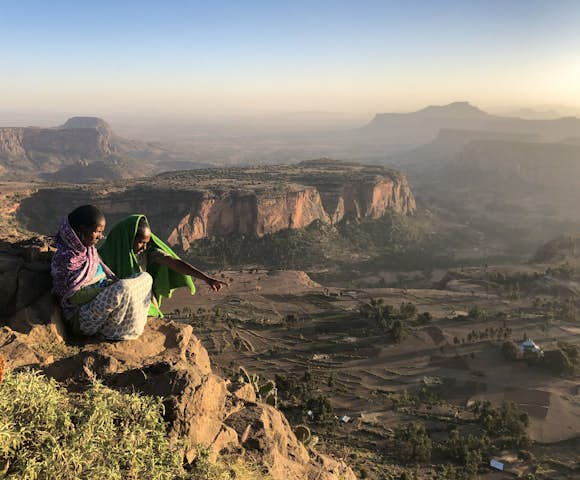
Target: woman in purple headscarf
93	300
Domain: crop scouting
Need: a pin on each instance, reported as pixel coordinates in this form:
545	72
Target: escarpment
200	407
250	213
67	140
41	153
11	143
196	204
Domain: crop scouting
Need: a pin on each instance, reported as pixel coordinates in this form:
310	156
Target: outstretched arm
179	266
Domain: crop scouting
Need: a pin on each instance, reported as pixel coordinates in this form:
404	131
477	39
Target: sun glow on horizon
190	58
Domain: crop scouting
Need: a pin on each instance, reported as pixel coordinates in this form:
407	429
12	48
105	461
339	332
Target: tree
322	411
506	420
557	361
408	311
476	313
424	318
398	331
412	443
378	311
510	350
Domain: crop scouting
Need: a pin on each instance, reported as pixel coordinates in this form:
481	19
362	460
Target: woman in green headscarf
131	248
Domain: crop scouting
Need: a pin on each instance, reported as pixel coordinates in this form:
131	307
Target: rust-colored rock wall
188	206
266	213
375	198
248	214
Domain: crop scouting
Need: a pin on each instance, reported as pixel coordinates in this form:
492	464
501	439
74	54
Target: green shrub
408	311
378	311
571	350
412	443
398	331
476	313
47	433
557	361
506	422
510	350
424	318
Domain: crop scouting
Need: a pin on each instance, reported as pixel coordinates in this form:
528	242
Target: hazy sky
191	57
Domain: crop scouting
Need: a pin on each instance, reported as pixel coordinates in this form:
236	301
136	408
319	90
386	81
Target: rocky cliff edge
168	360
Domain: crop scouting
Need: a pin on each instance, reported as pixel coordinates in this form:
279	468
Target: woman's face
91	236
141	240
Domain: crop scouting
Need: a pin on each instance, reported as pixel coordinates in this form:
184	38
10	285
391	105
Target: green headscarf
117	253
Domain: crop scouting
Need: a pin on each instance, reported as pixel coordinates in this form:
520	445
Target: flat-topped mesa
29	151
254	201
89	123
321	192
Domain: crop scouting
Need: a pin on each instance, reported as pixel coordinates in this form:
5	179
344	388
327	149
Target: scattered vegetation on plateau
396	241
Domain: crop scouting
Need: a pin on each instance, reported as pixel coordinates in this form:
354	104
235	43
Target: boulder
24	273
243	391
17	351
42	321
268	439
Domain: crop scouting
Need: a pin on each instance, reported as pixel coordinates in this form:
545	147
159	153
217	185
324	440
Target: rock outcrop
80	138
12	143
84	149
167	361
560	250
191	205
248	214
24	273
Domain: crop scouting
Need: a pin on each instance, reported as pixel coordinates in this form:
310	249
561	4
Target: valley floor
283	323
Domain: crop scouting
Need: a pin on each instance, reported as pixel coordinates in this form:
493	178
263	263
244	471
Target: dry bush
48	433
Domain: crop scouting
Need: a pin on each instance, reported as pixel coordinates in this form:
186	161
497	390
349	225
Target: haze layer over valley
500	186
392	288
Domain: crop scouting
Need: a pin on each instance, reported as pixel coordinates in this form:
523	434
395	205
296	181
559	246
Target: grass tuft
48	433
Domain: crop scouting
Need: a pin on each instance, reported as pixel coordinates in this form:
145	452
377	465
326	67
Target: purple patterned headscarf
73	264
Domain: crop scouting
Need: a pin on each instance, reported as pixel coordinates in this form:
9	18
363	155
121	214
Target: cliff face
373	199
548	165
21	142
11	142
563	249
28	152
187	206
248	214
85	142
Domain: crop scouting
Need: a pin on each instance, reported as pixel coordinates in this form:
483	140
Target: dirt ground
281	322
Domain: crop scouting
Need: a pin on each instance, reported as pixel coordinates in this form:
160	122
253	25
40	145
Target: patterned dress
119	312
93	301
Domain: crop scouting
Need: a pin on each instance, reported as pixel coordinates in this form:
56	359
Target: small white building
529	346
